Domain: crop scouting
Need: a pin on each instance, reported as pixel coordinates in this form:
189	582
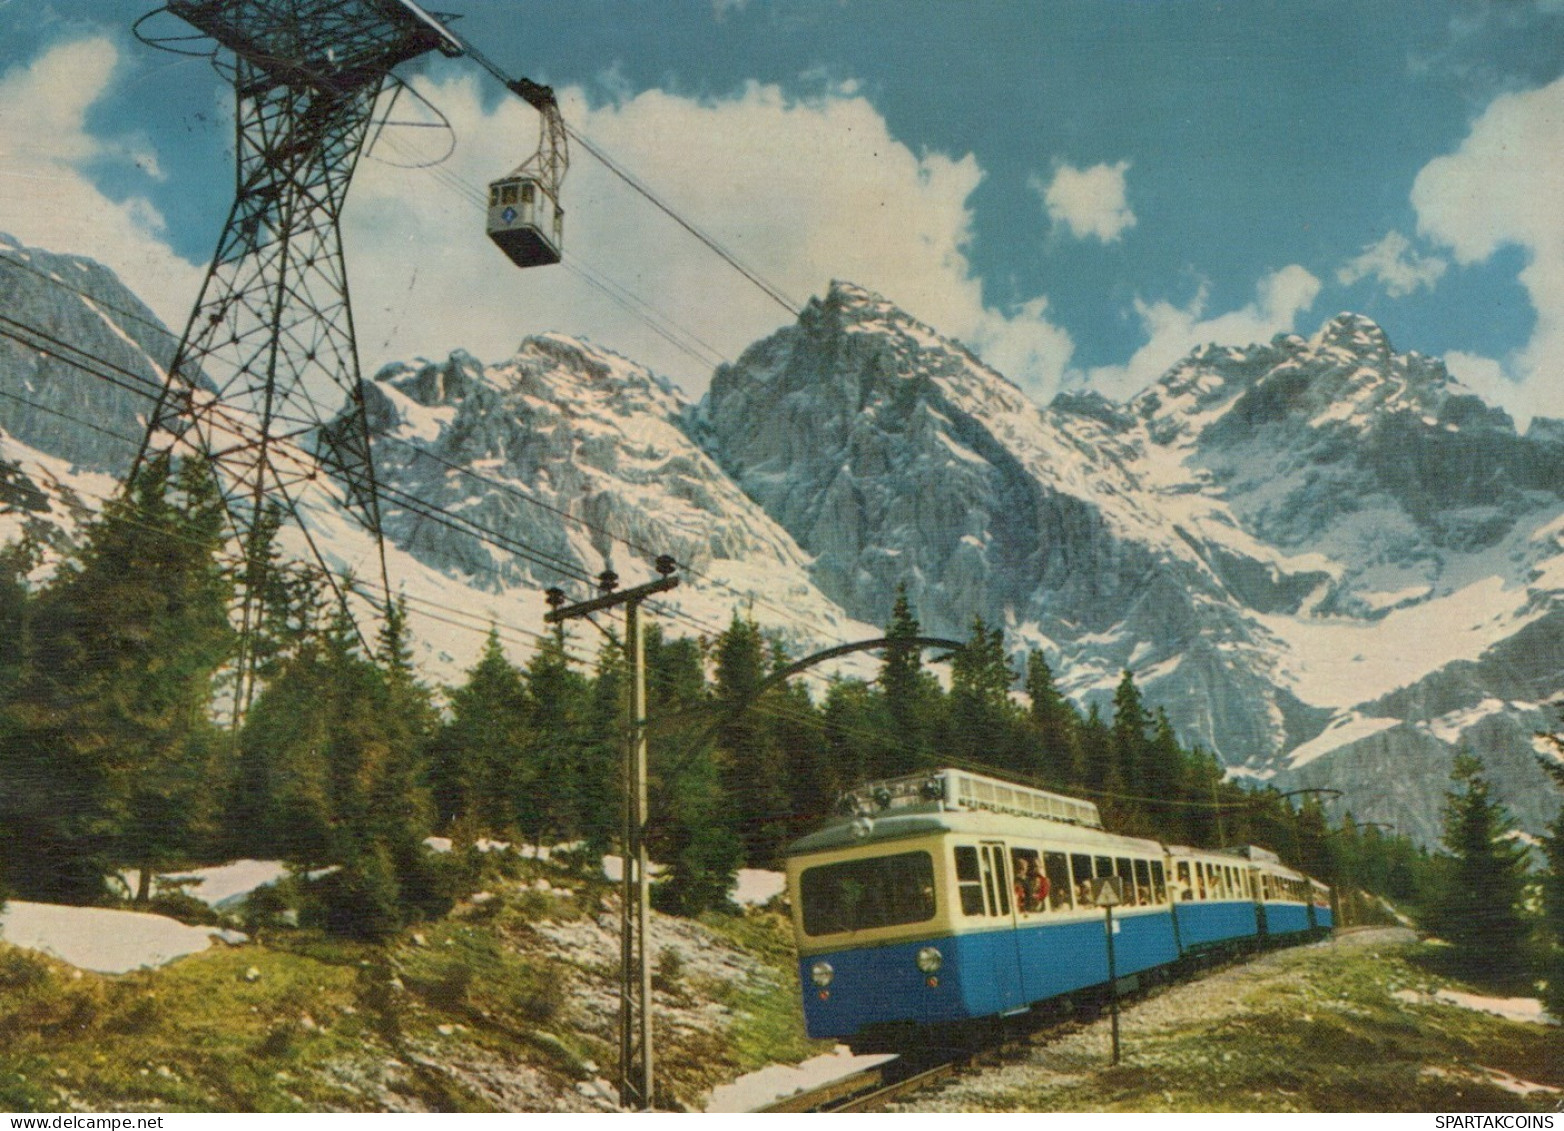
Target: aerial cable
711	244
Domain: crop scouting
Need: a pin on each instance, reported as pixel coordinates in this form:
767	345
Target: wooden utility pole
635	969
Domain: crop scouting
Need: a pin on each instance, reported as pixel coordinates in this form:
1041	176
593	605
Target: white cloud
1089	202
1392	262
802	190
1172	331
1500	189
45	199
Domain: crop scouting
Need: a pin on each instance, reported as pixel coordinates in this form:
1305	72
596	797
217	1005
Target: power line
306	424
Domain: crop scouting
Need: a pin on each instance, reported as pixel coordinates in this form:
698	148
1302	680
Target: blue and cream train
946	898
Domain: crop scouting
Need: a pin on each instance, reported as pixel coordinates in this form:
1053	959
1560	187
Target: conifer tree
854	729
751	766
982	721
111	735
1100	768
1479	907
1131	750
477	757
909	693
1553	894
1055	725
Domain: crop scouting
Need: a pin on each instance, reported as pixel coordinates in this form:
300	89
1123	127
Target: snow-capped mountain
59	313
577	459
1331	563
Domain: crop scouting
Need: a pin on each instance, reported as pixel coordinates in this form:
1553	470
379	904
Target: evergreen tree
854	730
1479	908
1100	768
751	766
596	714
1553	895
1131	751
982	724
477	757
1055	725
910	695
110	736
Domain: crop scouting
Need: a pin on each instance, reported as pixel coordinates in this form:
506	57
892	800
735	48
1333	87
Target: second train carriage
949	896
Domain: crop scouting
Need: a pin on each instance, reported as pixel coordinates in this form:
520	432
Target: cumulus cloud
1394	265
1172	331
802	189
47	201
1089	202
1500	189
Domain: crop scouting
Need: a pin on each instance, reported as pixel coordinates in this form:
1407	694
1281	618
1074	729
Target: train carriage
951	897
1214	898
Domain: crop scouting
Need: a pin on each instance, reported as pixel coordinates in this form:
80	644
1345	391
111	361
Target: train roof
947	789
960	801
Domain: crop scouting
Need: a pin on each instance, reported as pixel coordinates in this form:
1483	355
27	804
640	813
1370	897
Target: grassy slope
1320	1030
474	1013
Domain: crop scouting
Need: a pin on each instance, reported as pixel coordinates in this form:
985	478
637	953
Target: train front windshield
860	895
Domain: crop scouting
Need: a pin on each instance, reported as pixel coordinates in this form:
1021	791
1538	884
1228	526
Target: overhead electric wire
513	634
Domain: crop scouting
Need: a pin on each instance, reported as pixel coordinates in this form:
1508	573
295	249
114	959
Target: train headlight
821	974
930	960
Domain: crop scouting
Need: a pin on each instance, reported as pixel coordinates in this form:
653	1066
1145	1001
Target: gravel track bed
1074	1057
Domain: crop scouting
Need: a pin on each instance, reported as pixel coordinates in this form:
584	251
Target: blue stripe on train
984	972
1203	923
1286	918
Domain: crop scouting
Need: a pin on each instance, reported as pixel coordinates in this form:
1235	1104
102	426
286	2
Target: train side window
1200	879
1127	873
1081	870
1142	882
1057	872
1103	865
1031	887
994	879
969	880
1159	890
1186	885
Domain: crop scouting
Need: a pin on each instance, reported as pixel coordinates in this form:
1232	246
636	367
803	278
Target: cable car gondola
525	219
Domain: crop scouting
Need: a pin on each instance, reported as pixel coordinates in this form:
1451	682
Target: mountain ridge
1331	562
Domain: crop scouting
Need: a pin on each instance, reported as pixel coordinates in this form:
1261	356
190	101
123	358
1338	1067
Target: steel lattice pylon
268	358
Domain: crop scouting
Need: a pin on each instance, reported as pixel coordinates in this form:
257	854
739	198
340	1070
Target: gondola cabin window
864	894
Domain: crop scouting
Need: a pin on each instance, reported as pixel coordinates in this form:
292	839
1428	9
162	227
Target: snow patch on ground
226	884
755	886
778	1081
1525	1009
102	940
1510	1008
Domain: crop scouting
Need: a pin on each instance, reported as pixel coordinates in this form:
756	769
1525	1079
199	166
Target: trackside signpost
1108	893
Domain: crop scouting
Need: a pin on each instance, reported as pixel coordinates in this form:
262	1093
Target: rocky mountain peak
1356	335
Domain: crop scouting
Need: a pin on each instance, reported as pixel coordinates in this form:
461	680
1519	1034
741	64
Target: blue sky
1079	190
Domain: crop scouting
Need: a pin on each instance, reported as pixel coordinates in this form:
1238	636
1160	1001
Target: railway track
866	1090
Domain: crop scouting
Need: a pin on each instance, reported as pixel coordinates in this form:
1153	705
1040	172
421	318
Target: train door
1004	955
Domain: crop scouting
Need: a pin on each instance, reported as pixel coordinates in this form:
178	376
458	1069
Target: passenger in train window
1027	877
1056	873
